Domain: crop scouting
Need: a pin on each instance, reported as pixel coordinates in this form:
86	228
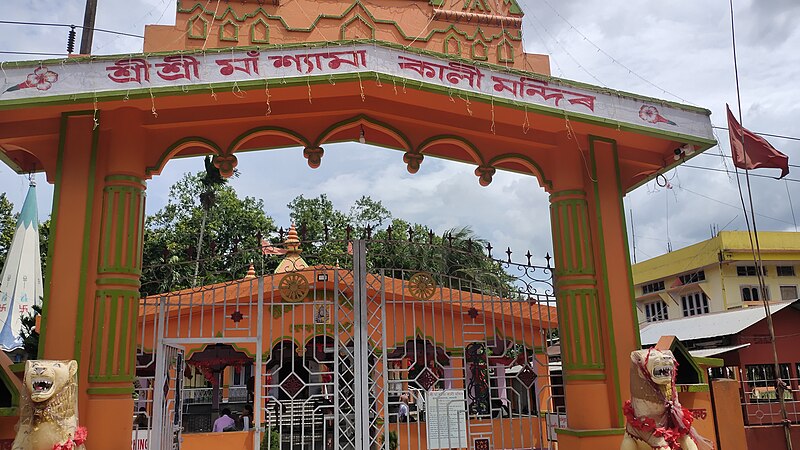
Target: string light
526	125
362	138
268	95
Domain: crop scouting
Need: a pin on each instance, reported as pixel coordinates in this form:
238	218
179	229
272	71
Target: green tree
44	239
233	227
8	223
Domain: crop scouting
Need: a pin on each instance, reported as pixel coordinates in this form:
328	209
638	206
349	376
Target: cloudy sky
678	50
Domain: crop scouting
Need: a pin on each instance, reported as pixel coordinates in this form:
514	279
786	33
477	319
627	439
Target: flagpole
779	384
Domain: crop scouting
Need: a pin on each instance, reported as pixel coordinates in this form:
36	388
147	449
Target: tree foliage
8	223
233	228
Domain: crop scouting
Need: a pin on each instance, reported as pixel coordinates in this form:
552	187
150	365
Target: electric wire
50	24
613	59
779	136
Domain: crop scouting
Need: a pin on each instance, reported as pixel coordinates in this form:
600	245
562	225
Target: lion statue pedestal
655	418
48	418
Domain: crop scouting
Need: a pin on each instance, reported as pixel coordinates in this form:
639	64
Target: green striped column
117	297
576	287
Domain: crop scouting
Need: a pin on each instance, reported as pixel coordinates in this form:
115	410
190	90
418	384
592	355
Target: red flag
756	151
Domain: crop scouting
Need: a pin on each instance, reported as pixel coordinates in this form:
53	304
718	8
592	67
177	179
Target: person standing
225	422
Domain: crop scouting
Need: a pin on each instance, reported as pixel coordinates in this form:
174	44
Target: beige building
716	275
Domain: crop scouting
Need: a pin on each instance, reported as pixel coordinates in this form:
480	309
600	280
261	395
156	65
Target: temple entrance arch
100	127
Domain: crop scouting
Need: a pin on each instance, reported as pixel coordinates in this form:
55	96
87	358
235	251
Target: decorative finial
251	272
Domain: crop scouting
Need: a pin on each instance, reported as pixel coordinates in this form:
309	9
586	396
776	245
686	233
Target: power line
730	157
779	136
48	24
614	60
731	205
725	171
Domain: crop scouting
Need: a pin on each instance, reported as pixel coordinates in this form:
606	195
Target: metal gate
367	344
167	398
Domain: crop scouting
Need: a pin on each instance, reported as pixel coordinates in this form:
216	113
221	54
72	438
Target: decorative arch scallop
375	132
516	162
188	146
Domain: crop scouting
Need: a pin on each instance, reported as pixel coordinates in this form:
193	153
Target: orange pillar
69	276
118	240
94	260
597	323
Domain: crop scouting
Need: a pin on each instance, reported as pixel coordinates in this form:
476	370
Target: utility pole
88	27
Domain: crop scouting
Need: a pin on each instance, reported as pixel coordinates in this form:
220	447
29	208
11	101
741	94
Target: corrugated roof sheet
707	325
708	352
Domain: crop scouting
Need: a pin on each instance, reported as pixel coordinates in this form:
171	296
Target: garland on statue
76	441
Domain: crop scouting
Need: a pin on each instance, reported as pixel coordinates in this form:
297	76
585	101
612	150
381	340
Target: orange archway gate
447	80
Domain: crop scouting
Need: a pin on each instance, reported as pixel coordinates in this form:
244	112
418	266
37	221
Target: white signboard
446	416
141	440
127	74
555	420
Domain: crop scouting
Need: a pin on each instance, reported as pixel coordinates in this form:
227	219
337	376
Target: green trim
54	222
338	126
87	228
112	332
253	39
623	222
190	27
223	38
346	25
166	155
280	131
17	367
110	390
131	178
479	56
117	281
100	324
71	99
12	388
446	50
513	7
585	376
544	182
565	282
505	47
589	433
693	388
327	44
710	362
9	412
609	315
569	192
260	12
479	5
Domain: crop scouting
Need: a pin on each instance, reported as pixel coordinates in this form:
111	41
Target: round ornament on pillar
314	156
413	161
226	164
485	174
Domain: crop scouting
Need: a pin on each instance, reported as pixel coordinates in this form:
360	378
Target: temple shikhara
357	342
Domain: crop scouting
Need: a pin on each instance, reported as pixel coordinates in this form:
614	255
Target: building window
694	304
748	271
693	277
752	294
761	380
785	271
655	311
652	287
788	292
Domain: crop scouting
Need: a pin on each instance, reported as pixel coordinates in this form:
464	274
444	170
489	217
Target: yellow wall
718	258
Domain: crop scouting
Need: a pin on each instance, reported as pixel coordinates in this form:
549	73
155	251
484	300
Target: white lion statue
48	418
655	418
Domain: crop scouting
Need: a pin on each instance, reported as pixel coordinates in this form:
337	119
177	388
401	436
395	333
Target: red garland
671	434
77	440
